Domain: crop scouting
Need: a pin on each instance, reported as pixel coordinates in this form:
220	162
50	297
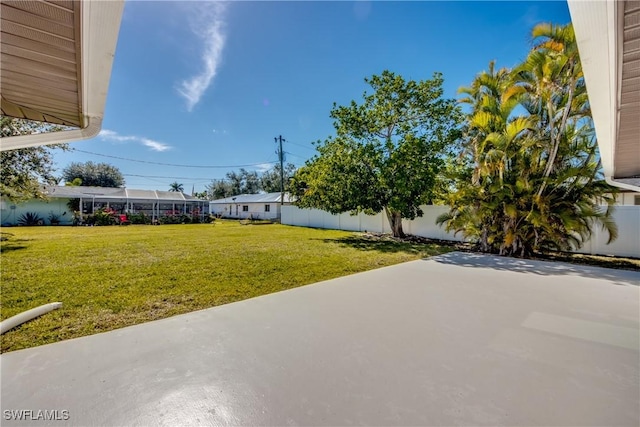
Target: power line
151	179
302	145
296	155
176	177
172	164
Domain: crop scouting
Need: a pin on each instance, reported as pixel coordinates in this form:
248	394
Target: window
637	200
245	208
267	208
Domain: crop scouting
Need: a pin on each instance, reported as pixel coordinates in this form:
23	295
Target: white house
609	43
628	198
256	206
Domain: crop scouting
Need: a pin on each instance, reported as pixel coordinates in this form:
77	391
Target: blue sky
212	84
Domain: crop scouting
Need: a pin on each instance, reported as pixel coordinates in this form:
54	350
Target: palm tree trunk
558	138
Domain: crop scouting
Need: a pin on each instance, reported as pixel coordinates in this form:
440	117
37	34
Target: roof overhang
608	36
56	65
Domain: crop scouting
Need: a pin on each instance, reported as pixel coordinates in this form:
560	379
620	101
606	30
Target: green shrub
169	219
53	218
105	216
184	219
30	219
139	218
77	218
73	205
88	220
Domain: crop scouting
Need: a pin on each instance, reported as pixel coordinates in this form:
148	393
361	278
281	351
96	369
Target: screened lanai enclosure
154	204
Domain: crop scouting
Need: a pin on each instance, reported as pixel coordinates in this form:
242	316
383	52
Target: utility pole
280	154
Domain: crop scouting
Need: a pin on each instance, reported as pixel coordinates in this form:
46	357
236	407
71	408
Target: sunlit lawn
110	277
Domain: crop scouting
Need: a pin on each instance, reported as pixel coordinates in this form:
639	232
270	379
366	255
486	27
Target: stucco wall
10	212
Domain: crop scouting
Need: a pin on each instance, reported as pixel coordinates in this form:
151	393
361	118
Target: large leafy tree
93	174
534	181
219	189
23	171
248	182
241	182
387	151
270	180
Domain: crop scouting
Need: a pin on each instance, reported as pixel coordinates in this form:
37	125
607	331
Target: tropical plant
54	219
176	187
534	181
30	219
386	154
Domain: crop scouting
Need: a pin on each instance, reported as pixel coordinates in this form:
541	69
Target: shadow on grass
8	243
9	247
389	246
539	267
4	236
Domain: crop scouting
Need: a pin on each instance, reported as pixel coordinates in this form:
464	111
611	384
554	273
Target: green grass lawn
110	277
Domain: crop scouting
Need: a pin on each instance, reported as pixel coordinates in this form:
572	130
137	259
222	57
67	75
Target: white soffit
56	65
608	36
627	154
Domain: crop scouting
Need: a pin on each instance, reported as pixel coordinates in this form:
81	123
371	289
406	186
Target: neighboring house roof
75	192
254	198
56	65
608	36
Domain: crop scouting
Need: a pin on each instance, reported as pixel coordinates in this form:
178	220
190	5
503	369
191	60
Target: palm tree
487	209
176	187
551	78
535	181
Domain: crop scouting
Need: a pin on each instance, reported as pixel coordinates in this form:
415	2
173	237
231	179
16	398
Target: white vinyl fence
626	217
628	242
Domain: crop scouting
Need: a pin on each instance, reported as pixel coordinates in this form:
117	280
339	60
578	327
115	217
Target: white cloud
109	135
208	24
263	167
154	145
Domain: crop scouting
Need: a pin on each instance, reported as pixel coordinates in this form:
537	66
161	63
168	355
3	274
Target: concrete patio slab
459	339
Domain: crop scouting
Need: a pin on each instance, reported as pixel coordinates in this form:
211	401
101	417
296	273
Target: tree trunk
395	221
484	240
558	138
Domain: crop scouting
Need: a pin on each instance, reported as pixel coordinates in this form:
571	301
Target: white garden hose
25	316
